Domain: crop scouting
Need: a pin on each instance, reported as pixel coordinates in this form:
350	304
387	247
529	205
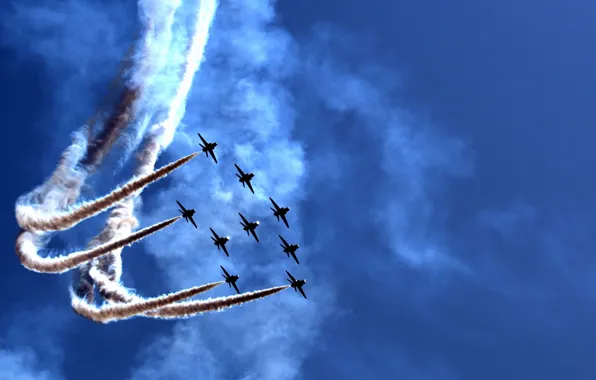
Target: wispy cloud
397	161
30	348
80	46
242	101
307	124
368	174
523	250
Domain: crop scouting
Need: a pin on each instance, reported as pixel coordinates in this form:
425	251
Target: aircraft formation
248	226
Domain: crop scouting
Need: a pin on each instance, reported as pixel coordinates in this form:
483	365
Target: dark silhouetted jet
220	242
249	226
208	148
231	280
289	249
245	178
187	214
296	284
280	212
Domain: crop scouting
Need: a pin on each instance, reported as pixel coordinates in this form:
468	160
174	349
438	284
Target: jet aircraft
220	242
280	212
289	249
187	214
249	227
245	178
208	148
296	284
231	280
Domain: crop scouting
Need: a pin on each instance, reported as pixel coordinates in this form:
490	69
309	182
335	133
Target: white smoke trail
177	107
163	132
31	219
28	245
35	220
63	187
243	104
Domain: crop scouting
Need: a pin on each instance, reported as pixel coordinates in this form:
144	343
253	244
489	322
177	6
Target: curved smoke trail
48	208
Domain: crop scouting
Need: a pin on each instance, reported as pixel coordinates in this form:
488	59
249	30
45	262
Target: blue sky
436	157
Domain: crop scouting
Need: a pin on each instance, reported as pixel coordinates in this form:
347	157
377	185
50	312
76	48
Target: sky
435	155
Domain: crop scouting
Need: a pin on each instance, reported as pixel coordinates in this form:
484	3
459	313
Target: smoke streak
48	208
194	57
186	309
119	120
32	220
120	223
62	188
110	313
189	309
115	293
162	131
28	244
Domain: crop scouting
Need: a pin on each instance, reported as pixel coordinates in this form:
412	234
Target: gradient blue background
463	251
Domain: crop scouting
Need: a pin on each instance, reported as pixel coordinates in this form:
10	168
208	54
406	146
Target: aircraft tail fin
275	213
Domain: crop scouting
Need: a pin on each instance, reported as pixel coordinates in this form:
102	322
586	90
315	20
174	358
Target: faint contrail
28	244
32	220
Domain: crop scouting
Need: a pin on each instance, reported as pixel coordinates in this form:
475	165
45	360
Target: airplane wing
295	258
283	217
213	232
223	246
239	170
213	155
255	235
283	240
243	218
274	204
225	271
302	292
202	139
250	186
236	288
291	277
182	207
193	222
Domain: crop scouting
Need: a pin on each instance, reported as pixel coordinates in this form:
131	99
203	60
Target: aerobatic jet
208	148
220	242
289	249
187	214
249	227
296	284
280	212
231	280
245	178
